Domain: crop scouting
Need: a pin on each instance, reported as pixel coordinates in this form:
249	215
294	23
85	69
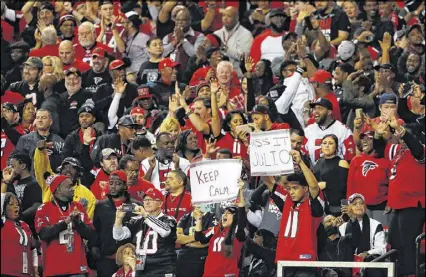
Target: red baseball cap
167	62
116	64
137	110
322	77
120	174
144	91
154	194
98	51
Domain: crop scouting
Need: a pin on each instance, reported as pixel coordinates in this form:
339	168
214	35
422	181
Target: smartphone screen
344	202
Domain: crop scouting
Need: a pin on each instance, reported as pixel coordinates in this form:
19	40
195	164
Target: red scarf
120	273
92	143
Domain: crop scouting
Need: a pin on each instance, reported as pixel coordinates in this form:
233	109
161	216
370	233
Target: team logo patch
367	166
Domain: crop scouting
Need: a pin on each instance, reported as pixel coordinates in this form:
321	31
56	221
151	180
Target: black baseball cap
322	102
72	161
20	45
127	121
385	66
276	12
412	27
260	109
74	71
47	6
10	106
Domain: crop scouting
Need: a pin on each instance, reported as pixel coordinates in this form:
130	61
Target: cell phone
128	208
344	202
359	113
245	128
308	23
408	89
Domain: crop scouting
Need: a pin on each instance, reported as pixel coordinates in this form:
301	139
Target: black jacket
53	104
24	89
74	148
103	220
109	141
30	201
70	106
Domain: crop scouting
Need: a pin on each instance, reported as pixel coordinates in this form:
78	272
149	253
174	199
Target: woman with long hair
232	138
187	146
262	77
225	240
126	259
27	112
53	65
19	256
331	172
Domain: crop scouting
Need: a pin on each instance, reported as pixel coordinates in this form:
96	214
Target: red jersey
85	55
56	259
79	64
369	176
12	97
407	180
177	207
7	146
216	263
108	38
298	230
235	145
48	50
16	242
137	191
99	187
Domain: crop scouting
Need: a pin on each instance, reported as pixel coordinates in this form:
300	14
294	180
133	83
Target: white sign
270	153
214	181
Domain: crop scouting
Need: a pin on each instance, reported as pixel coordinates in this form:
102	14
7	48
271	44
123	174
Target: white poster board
270	153
214	181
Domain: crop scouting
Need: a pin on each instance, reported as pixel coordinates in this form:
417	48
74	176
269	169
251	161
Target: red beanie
54	181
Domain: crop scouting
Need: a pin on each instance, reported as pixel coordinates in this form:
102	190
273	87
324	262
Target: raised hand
300	48
385	44
211	74
214	86
87	136
211	146
249	64
120	85
8	174
173	103
297	158
354	75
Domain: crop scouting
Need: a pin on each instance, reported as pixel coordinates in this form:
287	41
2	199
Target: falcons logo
367	166
97	80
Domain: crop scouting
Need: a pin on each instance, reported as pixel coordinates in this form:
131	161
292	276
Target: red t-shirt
79	64
56	259
48	50
217	264
171	205
86	54
99	187
12	262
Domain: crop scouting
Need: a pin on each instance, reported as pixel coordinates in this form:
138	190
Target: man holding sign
214	181
270	153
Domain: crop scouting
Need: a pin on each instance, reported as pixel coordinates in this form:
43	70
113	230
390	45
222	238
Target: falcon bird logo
367	166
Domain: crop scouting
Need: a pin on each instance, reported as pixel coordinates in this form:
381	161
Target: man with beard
177	201
98	74
120	141
87	43
28	87
333	22
67	25
72	100
237	40
24	186
340	74
70	167
19	53
109	163
80	142
165	160
146	102
268	44
11	131
326	124
67	56
104	247
142	149
411	69
136	186
54	143
62	224
52	99
113	98
182	42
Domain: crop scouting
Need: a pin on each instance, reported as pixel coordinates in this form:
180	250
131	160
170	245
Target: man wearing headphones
70	167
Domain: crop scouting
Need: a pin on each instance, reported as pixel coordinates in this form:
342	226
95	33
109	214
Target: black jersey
155	237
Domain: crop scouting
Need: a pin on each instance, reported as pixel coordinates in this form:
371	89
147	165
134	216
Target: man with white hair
224	76
67	56
87	43
48	43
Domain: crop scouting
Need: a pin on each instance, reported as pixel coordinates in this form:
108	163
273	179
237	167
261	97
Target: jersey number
292	222
3	145
149	243
64	236
217	244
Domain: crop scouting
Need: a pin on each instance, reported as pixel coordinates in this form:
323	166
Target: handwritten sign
270	153
214	181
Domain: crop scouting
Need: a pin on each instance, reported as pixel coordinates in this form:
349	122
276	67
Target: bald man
235	38
51	99
67	56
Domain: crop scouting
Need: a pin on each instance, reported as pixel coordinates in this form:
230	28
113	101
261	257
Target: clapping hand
8	175
386	43
211	147
87	136
249	64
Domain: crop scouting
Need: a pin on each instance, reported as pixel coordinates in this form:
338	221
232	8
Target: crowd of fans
106	104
